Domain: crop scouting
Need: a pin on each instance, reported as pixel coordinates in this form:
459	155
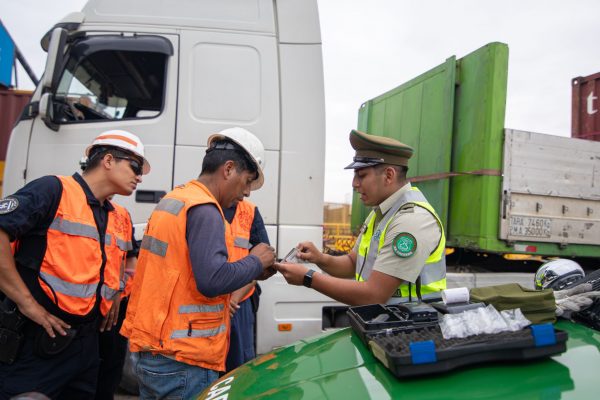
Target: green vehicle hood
337	365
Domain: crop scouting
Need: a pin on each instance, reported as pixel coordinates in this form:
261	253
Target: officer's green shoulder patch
404	245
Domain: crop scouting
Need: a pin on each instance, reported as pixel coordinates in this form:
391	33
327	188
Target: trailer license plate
530	226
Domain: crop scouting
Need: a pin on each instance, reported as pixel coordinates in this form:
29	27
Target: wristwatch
308	278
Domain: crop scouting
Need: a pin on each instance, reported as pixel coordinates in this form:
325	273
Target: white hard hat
558	274
123	140
249	142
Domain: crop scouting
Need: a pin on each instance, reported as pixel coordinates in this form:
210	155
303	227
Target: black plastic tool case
421	351
361	319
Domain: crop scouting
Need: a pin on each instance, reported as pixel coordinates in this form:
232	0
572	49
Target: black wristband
308	278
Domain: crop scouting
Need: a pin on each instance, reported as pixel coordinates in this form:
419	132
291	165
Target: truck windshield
109	84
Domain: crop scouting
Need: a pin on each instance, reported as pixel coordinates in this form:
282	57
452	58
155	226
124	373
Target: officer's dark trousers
70	375
241	342
113	348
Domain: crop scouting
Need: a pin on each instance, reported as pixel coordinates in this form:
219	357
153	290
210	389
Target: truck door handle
149	196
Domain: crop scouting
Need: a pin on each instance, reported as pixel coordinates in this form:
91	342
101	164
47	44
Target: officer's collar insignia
8	205
404	245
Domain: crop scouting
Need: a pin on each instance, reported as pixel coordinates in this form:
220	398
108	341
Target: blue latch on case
422	352
543	334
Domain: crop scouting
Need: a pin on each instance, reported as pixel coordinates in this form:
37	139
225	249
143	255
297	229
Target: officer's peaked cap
373	150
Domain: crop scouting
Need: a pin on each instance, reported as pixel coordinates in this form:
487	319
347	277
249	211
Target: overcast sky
371	46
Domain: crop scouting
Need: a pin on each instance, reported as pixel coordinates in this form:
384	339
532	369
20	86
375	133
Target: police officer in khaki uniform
400	249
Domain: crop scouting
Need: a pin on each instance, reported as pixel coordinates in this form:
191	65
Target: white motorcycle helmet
558	274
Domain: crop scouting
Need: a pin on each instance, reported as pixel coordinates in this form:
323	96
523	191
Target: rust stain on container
585	116
12	103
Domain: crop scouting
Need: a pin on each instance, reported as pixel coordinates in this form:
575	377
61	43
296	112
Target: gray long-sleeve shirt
205	233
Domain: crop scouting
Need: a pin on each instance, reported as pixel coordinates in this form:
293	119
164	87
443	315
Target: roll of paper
456	295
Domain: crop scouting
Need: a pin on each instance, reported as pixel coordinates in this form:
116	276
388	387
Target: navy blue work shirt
205	231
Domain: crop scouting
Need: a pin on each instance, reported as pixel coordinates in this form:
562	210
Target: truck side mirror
46	111
55	59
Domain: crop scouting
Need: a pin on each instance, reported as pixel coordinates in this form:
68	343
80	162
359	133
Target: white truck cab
173	75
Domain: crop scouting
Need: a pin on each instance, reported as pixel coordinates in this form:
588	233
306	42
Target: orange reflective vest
166	313
240	229
70	273
125	279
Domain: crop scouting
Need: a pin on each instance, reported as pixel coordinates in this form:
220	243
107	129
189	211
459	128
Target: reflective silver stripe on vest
124	245
360	259
195	333
433	272
74	228
107	292
412	196
80	290
241	242
200	308
365	267
121	244
154	245
172	206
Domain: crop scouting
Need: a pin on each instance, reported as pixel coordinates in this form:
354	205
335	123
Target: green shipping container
453	116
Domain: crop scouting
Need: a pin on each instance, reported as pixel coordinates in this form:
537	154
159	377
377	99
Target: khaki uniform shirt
409	219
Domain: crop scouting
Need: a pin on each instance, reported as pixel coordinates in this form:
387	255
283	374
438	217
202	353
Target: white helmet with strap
250	143
558	274
123	140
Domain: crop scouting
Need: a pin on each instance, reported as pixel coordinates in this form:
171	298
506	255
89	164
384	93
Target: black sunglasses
134	164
